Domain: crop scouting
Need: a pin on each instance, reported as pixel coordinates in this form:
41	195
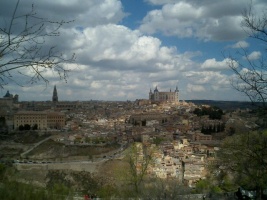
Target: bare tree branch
24	51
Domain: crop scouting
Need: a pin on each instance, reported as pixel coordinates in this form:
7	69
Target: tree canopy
212	112
244	156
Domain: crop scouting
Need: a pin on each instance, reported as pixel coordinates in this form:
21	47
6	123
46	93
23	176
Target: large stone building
9	100
146	119
164	96
43	120
31	118
56	120
8	105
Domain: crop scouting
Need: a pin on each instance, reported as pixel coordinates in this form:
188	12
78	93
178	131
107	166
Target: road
88	166
35	145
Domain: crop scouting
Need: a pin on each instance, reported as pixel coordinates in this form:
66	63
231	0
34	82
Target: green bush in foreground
12	190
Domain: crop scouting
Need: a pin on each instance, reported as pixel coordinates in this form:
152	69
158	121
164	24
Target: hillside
226	105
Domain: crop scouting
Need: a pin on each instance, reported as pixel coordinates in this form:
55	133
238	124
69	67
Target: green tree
203	186
157	188
138	159
158	140
21	127
2	172
35	127
27	127
23	49
13	190
212	112
244	156
10	189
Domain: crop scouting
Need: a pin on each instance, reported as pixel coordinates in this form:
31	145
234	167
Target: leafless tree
251	75
139	159
24	51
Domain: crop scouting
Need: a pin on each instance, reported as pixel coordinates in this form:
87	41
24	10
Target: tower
156	94
150	94
55	97
176	94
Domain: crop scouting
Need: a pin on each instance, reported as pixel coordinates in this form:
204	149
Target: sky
124	48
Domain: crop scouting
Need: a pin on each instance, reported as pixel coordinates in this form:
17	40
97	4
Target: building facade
9	100
147	119
8	105
43	120
55	120
31	118
158	96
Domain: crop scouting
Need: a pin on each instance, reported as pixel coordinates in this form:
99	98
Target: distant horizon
135	100
48	92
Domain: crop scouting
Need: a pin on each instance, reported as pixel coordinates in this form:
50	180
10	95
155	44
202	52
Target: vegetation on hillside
212	112
244	156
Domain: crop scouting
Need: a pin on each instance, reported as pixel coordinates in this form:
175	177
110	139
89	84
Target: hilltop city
185	136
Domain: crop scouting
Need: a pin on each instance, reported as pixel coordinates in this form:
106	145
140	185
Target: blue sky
126	47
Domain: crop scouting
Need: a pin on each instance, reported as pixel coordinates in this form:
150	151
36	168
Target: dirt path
35	145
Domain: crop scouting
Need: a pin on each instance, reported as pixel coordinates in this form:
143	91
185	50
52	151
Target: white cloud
240	44
157	21
115	47
160	2
195	88
182	11
115	62
206	20
85	13
255	55
214	65
207	77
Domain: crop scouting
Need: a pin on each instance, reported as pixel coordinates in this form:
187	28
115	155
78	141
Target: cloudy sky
125	47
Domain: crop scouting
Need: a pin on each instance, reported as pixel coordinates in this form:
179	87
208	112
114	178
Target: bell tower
55	97
176	94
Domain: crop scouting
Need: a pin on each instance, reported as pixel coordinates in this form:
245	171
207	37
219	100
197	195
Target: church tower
150	94
55	97
176	94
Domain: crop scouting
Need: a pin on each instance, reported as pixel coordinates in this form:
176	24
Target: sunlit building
170	96
42	120
31	118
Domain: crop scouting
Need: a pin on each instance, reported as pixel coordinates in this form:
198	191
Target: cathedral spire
156	89
176	89
55	97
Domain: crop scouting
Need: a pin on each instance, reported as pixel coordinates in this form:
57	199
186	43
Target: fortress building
164	96
9	101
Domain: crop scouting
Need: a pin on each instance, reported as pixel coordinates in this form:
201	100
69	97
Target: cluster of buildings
14	115
42	120
49	115
182	151
162	121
